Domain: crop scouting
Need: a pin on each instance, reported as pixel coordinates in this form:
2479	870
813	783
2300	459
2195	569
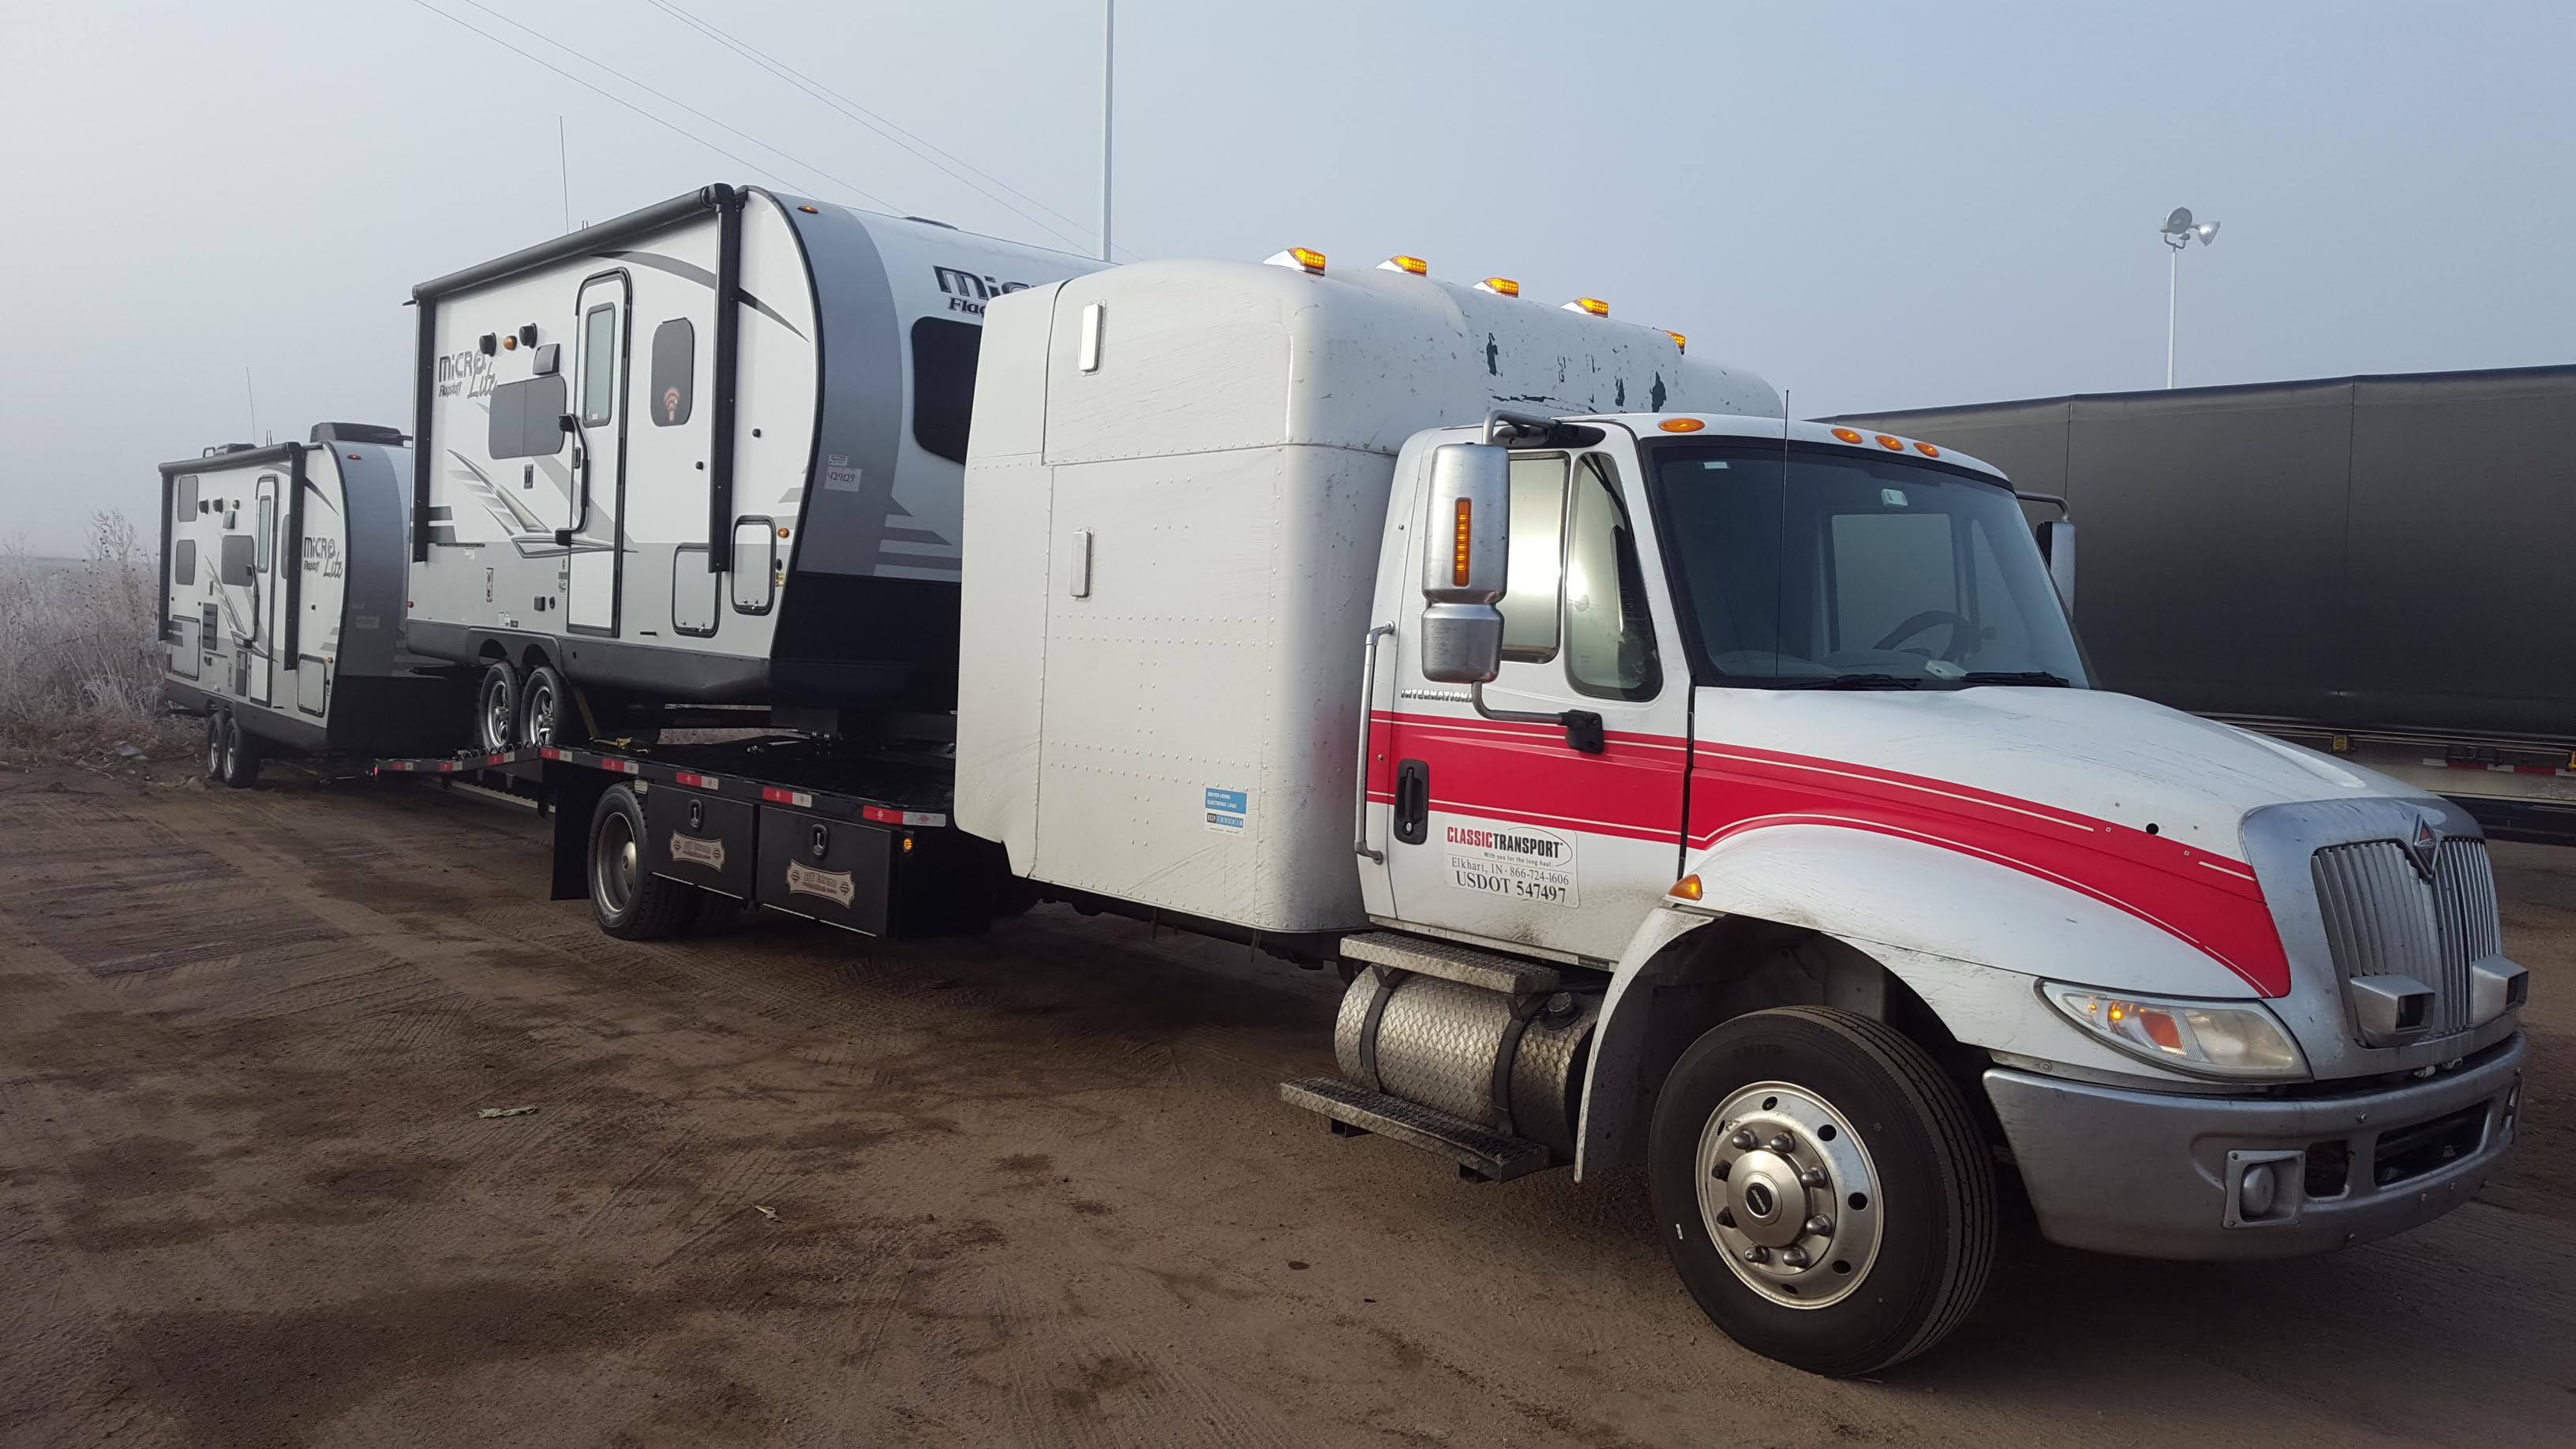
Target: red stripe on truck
1525	773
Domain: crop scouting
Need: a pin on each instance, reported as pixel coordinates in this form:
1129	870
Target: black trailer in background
2375	565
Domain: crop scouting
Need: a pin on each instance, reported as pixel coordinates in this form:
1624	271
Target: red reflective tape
551	753
880	813
888	815
697	781
785	797
495	759
448	766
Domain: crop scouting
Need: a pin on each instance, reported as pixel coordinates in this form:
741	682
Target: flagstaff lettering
968	292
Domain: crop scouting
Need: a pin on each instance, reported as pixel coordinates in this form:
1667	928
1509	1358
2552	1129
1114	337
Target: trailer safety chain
1388	978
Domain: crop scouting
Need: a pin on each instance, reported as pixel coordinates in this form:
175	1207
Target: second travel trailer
623	486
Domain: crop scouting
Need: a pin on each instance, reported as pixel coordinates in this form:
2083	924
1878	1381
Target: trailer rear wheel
541	704
1822	1189
631	902
215	722
496	708
240	755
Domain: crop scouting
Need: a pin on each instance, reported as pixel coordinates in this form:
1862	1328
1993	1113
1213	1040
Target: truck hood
2109	757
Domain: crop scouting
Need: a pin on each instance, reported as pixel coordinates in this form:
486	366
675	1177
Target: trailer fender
1968	938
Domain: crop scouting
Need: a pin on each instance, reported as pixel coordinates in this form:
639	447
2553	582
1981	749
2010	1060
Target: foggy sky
1873	206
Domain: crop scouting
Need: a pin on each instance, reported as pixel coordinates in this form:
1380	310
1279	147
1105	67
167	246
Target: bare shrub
80	646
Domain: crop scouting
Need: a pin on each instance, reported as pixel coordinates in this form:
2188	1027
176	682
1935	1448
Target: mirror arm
1582	726
2050	499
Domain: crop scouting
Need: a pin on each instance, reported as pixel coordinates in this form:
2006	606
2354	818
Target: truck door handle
1412	802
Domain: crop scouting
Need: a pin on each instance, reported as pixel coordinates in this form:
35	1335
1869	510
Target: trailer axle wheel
631	902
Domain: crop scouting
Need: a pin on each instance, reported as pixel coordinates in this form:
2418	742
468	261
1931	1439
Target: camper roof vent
220	449
358	433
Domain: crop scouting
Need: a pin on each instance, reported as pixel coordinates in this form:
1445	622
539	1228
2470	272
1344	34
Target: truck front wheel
631	902
1822	1189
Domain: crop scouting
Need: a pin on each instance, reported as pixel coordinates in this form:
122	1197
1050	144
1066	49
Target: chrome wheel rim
214	747
1788	1194
541	713
613	865
497	709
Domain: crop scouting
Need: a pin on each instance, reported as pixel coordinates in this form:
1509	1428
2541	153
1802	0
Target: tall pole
2173	297
1108	67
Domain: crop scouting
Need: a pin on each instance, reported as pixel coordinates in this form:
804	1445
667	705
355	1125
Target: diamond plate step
1479	1152
1451	961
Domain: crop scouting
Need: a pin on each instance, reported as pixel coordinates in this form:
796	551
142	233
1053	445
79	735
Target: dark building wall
2363	553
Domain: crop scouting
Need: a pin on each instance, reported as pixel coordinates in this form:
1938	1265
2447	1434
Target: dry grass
80	650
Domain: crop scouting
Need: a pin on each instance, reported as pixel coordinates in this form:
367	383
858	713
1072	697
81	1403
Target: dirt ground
785	1186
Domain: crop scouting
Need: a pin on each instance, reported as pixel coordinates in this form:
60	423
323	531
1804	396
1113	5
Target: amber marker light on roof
1679	340
1891	442
1500	286
1681	425
809	211
1847	435
1927	450
1306	257
1415	265
1593	305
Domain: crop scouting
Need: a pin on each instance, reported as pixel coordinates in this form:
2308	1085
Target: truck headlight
2205	1038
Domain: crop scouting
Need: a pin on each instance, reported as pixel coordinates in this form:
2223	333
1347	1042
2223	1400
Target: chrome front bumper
2158	1175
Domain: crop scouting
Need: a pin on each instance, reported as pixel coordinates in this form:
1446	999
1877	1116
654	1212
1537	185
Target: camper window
527	418
183	562
943	384
267	533
598	366
235	566
183	496
675	363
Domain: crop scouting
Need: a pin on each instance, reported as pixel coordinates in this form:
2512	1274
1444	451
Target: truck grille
2382	919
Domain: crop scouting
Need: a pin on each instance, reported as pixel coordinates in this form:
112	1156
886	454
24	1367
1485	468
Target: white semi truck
1678	787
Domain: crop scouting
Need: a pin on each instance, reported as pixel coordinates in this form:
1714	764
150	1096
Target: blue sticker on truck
1228	811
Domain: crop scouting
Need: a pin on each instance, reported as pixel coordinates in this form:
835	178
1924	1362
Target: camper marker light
1847	435
1681	425
1891	443
809	211
1415	265
2207	1038
1500	286
1303	258
1458	574
510	343
1593	305
1927	450
1679	340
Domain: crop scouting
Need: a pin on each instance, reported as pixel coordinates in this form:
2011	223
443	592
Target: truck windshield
1816	568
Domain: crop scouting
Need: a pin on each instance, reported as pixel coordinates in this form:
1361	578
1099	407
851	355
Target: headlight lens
2209	1038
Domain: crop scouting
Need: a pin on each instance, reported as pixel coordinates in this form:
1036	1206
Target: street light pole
2178	231
1108	67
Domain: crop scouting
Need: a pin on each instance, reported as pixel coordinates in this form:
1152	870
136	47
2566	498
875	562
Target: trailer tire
1865	1241
216	720
496	709
240	755
631	902
541	706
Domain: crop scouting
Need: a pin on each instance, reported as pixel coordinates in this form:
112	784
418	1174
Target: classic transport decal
709	853
1523	862
832	885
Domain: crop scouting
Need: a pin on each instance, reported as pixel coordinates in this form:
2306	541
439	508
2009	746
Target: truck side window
1609	634
1537	557
675	365
598	366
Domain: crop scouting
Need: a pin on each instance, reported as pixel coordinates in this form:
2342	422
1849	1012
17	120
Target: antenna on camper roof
563	161
253	396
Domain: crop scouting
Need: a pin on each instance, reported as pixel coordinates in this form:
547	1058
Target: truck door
595	565
1511	830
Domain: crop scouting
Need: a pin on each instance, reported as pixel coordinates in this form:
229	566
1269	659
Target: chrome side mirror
2057	549
1466	557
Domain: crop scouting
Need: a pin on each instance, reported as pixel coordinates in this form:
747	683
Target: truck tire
631	902
216	720
1822	1189
496	709
541	706
240	768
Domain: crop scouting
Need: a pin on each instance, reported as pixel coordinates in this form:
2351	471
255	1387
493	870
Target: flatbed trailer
655	835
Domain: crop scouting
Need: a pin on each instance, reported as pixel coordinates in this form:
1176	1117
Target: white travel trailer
282	597
624	487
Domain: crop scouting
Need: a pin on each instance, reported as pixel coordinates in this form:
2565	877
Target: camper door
595	564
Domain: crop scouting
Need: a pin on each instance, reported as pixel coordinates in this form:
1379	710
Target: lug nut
1812	1177
1726	1217
1821	1226
1743	1140
1783	1143
1793	1257
1757	1254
